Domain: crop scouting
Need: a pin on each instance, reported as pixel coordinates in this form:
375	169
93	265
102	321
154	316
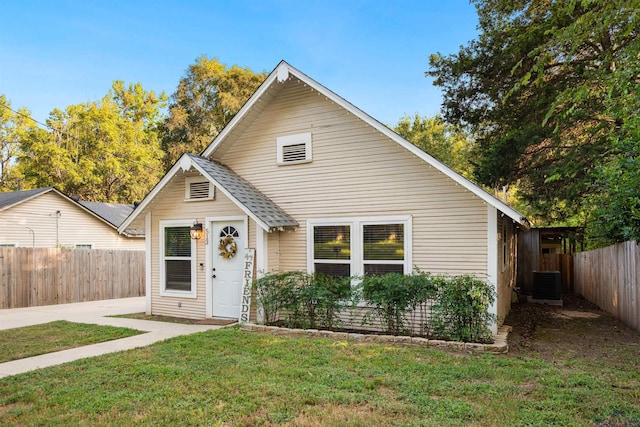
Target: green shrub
461	308
303	300
394	296
274	292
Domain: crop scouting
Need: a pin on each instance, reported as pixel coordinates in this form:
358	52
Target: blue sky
372	53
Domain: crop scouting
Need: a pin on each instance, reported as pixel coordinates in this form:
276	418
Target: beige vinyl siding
273	250
356	172
170	205
74	226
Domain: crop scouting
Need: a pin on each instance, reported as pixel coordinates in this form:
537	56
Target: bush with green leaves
394	297
461	309
303	300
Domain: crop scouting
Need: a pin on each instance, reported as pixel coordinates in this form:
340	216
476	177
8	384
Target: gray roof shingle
113	213
245	193
14	197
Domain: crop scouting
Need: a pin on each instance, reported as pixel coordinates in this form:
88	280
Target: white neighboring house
47	218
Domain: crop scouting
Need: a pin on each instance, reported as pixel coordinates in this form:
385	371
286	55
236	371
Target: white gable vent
198	188
294	149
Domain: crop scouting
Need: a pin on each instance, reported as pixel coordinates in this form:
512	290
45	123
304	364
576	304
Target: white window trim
187	189
357	256
75	245
300	138
194	282
8	245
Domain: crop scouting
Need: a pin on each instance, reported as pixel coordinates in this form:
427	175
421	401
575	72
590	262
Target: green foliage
447	143
546	88
460	311
231	377
303	300
60	335
106	151
394	297
207	98
12	127
616	197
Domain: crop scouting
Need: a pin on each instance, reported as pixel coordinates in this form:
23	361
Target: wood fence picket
44	276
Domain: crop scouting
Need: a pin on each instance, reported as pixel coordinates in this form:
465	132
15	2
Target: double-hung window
177	259
360	246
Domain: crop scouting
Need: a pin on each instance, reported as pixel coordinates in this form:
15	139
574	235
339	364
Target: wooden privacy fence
42	276
610	278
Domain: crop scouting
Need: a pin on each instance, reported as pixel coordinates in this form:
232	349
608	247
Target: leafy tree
12	125
100	151
539	89
207	98
445	142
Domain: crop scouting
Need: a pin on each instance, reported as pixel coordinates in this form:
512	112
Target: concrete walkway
93	312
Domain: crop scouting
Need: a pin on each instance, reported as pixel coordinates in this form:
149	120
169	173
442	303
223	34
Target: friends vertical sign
247	282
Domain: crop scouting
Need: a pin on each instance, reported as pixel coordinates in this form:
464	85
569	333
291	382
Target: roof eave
283	71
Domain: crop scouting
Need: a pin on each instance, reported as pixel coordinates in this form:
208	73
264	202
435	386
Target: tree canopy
12	125
100	151
207	98
445	142
547	89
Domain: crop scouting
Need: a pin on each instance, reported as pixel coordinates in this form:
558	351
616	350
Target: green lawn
232	377
31	341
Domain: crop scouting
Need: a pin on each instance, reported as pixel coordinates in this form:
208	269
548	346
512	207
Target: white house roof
284	71
263	210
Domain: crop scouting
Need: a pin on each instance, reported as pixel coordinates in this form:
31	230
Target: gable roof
259	207
10	199
109	213
284	71
113	213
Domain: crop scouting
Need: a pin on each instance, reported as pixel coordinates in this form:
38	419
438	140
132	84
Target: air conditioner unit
546	285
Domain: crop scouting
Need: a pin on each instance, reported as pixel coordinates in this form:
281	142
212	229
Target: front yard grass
34	340
232	377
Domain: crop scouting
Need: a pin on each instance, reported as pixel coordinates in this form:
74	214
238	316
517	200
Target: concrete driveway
93	312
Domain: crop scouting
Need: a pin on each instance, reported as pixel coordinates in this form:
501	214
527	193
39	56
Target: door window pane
332	242
383	242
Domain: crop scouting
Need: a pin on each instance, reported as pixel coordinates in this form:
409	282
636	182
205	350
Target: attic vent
293	149
294	153
197	188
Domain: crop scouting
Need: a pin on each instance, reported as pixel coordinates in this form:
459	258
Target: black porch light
196	230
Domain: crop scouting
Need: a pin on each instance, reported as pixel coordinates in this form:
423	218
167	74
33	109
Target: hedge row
451	307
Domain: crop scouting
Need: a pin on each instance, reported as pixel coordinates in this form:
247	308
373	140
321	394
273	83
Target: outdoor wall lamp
196	230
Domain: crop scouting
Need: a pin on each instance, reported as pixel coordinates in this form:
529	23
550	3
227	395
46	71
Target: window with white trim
360	246
294	149
198	188
83	245
177	259
7	245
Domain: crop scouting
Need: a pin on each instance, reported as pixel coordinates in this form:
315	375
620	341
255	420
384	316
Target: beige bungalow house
48	218
311	182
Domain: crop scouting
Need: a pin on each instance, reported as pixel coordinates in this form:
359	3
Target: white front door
226	274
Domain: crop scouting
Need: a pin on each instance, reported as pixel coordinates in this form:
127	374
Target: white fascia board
284	71
271	78
185	163
45	191
151	195
231	197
